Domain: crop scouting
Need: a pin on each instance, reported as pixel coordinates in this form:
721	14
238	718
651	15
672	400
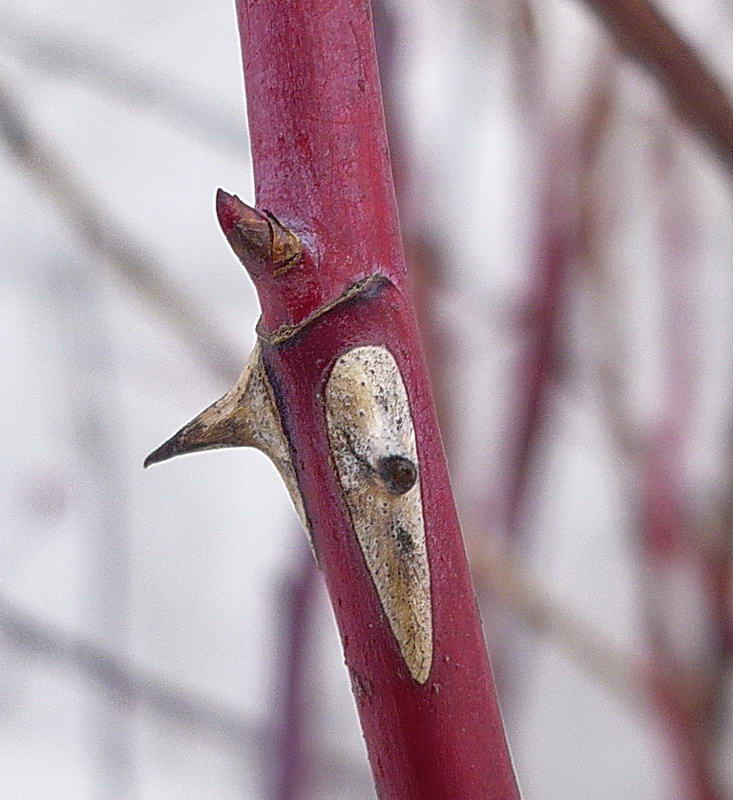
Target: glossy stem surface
322	169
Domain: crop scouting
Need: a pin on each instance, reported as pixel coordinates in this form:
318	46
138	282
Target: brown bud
259	239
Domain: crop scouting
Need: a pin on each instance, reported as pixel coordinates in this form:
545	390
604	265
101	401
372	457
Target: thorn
246	416
163	453
191	438
207	431
229	422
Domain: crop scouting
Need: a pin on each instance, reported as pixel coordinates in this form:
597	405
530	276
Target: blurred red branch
559	243
689	653
695	92
679	556
556	248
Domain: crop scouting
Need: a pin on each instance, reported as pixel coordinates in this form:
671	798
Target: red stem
319	148
322	167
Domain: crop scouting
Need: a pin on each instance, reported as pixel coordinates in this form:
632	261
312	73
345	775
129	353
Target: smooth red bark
319	148
322	167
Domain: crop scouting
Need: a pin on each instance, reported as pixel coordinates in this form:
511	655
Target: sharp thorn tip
163	453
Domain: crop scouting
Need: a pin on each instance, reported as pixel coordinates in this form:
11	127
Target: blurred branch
567	153
670	545
132	686
497	572
555	247
597	219
128	258
291	765
629	677
102	71
695	92
84	344
558	239
683	688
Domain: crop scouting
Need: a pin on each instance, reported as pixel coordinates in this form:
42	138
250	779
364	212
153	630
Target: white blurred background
161	633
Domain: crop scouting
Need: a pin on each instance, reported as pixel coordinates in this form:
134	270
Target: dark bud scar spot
404	540
398	473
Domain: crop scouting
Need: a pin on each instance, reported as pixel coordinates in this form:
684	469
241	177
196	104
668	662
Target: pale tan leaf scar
372	441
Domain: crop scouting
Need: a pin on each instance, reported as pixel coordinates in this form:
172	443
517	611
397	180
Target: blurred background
162	633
